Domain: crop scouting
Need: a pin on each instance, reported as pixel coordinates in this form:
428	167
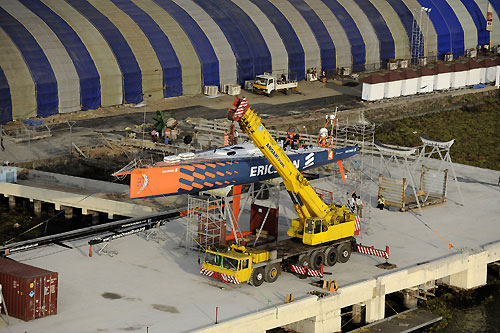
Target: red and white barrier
357	225
220	276
306	271
370	250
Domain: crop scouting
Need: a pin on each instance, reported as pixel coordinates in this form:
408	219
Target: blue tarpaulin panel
454	26
352	32
241	49
296	60
200	42
483	35
172	74
325	42
5	99
387	50
38	64
132	79
90	86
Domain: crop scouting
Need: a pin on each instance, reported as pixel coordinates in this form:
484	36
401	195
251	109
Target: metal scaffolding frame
441	149
419	25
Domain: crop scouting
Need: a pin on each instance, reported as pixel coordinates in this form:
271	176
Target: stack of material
392	86
474	73
459	75
373	88
442	78
409	84
425	80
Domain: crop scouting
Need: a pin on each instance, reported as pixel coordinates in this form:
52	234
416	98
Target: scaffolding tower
420	24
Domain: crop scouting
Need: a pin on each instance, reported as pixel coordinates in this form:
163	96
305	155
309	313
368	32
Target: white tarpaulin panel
398	32
392	89
373	92
409	86
152	74
442	81
279	56
22	87
458	79
337	33
190	64
474	73
225	55
426	84
68	82
372	44
497	79
463	15
304	33
104	60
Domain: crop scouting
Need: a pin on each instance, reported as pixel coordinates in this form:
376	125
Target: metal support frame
398	156
420	24
442	149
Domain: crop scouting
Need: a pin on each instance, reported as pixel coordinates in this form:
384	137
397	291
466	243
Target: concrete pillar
37	208
68	213
12	203
95	217
375	307
356	313
110	216
474	276
326	321
409	299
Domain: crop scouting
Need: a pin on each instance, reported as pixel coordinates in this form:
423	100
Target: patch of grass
476	130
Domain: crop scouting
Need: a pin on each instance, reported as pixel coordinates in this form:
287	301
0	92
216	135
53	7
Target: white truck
268	83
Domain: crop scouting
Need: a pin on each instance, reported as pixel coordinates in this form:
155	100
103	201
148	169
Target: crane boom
317	222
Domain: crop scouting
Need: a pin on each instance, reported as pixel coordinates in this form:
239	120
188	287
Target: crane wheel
344	252
304	260
331	255
272	272
317	259
257	277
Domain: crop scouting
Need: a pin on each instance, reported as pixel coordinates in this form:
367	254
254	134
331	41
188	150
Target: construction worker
380	202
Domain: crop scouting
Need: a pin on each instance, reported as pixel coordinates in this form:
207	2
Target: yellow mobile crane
321	234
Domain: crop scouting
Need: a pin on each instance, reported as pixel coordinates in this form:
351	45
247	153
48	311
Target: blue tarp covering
404	14
454	26
443	29
387	50
132	79
172	73
325	42
355	39
90	86
5	101
250	58
483	35
200	42
296	58
38	64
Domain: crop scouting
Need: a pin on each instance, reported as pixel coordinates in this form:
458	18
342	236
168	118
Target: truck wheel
331	255
257	277
272	272
317	259
344	252
304	260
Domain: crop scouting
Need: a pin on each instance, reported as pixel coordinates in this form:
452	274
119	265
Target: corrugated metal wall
66	55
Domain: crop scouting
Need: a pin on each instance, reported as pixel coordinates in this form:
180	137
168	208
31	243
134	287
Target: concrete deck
157	284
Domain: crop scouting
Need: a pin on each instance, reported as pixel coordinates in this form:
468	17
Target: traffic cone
90	250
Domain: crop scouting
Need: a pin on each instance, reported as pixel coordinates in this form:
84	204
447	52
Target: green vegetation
476	130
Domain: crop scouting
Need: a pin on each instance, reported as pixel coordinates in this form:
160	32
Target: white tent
392	85
425	80
474	73
459	75
373	88
442	79
489	69
409	82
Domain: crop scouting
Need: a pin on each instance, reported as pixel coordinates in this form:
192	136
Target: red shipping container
29	292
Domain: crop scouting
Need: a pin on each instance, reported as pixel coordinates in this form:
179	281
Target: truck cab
264	84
